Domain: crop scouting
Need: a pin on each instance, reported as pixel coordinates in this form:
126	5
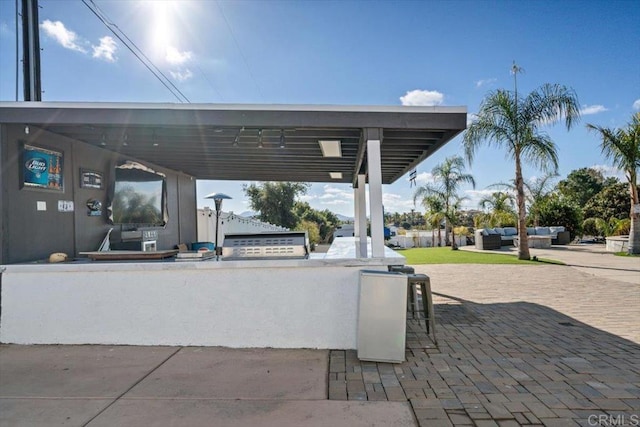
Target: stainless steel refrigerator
382	316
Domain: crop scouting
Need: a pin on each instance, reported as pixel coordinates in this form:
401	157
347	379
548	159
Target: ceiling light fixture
260	144
26	129
335	175
236	140
282	142
330	148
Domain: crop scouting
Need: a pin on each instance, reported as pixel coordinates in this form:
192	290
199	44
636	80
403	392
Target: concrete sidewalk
177	386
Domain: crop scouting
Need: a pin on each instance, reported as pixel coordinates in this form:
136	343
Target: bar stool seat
422	281
402	269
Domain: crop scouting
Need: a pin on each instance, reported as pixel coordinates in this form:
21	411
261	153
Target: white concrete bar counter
307	303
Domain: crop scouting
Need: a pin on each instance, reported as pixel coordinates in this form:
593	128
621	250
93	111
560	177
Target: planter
617	244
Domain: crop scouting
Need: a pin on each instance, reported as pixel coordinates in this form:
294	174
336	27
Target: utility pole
31	51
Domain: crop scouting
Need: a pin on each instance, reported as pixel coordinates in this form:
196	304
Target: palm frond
539	150
550	104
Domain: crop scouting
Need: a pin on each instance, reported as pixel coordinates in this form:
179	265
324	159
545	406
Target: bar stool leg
427	305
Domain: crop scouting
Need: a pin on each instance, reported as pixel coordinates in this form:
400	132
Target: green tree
275	201
513	123
556	210
612	202
326	220
535	191
312	229
622	147
501	212
581	185
448	177
434	216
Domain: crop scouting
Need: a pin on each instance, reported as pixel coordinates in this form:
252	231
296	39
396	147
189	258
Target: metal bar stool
412	291
413	282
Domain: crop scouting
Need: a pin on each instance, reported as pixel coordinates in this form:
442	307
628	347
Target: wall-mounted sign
42	168
65	205
95	207
90	179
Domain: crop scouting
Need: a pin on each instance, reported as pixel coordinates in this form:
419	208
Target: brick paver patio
518	345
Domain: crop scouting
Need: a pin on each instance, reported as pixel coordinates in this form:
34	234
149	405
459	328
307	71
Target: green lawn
446	256
625	254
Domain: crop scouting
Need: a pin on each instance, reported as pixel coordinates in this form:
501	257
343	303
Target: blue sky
448	53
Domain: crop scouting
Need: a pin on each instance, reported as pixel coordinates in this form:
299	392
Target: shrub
559	211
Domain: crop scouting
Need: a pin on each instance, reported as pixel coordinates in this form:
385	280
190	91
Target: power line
246	63
137	52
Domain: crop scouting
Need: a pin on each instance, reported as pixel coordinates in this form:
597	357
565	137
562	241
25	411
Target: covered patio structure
358	145
285	303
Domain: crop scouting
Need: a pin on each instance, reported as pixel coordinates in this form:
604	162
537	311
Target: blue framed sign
42	168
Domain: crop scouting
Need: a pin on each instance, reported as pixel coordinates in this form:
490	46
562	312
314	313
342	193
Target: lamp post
217	198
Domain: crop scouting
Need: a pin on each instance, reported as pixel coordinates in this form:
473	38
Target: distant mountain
344	218
248	214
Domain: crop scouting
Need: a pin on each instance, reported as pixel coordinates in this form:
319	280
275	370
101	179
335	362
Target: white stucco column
360	225
374	170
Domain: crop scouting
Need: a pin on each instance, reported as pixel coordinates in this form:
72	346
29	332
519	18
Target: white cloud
67	38
471	117
334	195
307	197
175	57
593	109
424	178
636	104
612	171
396	203
422	97
181	75
106	50
474	197
486	82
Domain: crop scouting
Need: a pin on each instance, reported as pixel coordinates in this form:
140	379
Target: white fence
229	223
422	239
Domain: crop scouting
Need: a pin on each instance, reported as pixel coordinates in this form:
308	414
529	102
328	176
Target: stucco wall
285	304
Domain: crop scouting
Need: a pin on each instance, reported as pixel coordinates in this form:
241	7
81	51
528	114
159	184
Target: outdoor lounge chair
485	241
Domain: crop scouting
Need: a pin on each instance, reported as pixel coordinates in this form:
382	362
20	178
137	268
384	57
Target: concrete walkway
588	258
518	345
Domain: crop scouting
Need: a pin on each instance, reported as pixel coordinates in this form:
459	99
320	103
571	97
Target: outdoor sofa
494	238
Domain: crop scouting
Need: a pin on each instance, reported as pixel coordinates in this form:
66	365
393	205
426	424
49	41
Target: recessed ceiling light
335	175
330	148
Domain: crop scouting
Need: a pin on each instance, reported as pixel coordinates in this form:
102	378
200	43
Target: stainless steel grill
273	245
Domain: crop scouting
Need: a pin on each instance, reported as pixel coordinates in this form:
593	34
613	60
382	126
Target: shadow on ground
516	363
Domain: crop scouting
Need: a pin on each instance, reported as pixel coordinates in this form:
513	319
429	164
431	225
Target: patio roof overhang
222	141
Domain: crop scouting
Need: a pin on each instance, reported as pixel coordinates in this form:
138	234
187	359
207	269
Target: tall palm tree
501	206
448	177
513	123
622	147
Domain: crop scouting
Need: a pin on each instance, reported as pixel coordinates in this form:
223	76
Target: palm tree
435	214
448	177
513	123
622	147
501	206
535	191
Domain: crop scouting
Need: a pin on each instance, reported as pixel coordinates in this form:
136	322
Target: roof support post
360	224
374	171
